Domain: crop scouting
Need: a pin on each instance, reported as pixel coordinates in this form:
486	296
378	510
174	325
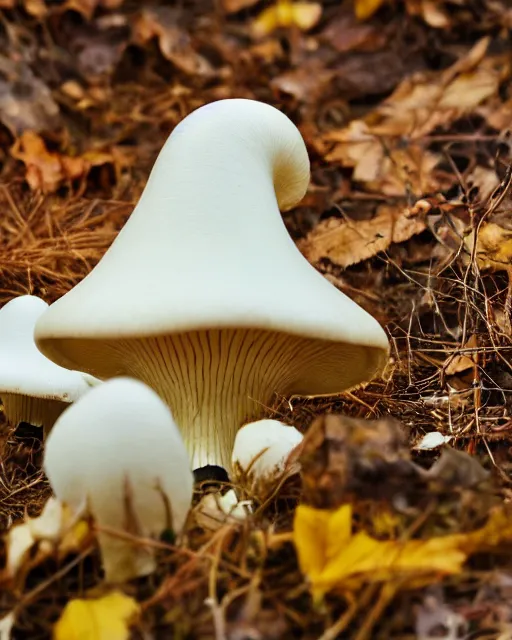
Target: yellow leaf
285	14
366	8
106	618
332	557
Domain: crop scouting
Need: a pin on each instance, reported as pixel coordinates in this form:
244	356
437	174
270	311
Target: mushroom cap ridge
206	247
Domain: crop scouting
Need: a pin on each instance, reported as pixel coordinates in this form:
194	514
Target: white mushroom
117	454
33	389
262	448
205	297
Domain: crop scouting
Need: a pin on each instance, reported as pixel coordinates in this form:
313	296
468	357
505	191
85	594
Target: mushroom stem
40	412
216	380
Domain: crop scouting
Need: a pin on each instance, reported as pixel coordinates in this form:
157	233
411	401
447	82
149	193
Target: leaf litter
398	524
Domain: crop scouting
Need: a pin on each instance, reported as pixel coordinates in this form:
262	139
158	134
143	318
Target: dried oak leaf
174	42
285	14
462	362
47	170
349	242
387	166
374	145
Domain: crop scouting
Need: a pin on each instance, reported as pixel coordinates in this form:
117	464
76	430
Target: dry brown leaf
486	180
385	166
349	242
462	362
493	247
47	170
497	114
285	14
419	104
431	11
366	8
345	33
306	83
174	42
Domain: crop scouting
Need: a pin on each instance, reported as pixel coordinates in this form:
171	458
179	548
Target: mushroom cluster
202	309
205	297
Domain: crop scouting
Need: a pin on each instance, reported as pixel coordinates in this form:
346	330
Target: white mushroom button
262	448
204	295
118	454
33	389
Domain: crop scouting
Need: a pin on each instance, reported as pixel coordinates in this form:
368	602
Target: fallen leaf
333	557
485	180
285	14
374	145
366	8
175	43
431	11
349	242
462	362
47	170
54	529
386	166
493	246
106	618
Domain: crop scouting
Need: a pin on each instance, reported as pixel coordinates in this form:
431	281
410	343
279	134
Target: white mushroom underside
215	380
40	412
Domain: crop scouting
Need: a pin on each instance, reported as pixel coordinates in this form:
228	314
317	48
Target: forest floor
405	108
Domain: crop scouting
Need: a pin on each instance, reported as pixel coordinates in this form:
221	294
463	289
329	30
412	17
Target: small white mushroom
33	389
118	454
205	297
262	449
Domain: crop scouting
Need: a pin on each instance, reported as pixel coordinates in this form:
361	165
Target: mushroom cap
24	370
119	442
272	439
206	248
